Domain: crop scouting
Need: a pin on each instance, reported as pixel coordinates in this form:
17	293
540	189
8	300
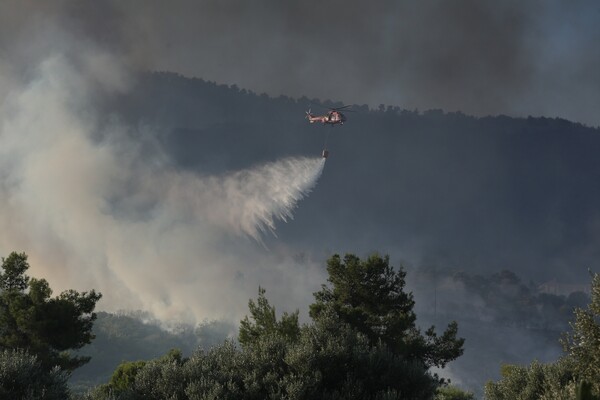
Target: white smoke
91	211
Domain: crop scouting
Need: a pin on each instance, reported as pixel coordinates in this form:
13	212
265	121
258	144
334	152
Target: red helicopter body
333	117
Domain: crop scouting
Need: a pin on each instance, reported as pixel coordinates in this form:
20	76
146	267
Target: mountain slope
434	187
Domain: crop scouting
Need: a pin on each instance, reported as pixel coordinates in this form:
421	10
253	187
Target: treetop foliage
575	375
369	296
22	376
582	344
361	344
264	322
47	327
13	278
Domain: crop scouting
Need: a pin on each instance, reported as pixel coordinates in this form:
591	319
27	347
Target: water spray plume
115	215
271	192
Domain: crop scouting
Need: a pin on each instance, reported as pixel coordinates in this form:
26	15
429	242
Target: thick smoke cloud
516	58
98	206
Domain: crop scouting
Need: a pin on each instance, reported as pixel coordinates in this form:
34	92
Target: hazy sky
481	57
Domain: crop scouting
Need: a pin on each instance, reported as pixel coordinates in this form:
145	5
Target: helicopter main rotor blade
331	108
342	107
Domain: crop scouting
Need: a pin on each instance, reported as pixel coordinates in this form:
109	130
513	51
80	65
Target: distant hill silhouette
429	187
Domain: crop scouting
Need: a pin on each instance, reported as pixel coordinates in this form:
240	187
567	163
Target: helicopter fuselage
331	118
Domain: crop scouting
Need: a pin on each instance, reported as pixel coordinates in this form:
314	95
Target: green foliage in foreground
536	381
135	335
22	376
452	393
264	322
582	344
361	344
575	375
47	327
369	296
330	360
584	391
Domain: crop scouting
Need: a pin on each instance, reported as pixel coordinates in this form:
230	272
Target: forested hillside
481	211
431	187
440	191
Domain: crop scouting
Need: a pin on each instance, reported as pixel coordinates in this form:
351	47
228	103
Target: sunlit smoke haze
93	208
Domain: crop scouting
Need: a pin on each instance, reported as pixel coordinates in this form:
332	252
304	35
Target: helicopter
333	116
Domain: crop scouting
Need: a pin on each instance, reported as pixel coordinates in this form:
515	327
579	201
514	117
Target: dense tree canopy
22	376
577	373
369	295
373	351
263	322
47	327
582	344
